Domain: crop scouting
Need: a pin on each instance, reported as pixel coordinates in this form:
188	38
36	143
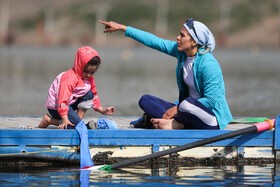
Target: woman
202	100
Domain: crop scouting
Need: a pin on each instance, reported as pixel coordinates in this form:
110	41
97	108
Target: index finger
103	22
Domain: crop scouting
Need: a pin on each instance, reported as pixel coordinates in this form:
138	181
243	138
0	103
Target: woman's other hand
170	113
112	26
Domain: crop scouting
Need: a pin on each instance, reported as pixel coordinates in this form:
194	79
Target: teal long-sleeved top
208	75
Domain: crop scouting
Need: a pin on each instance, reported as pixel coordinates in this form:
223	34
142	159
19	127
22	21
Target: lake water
251	77
181	176
252	85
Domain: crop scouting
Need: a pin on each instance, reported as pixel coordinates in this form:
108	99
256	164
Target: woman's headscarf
200	33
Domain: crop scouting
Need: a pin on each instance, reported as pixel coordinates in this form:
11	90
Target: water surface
251	78
181	176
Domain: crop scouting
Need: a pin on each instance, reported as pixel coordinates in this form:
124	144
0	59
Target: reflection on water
195	176
251	78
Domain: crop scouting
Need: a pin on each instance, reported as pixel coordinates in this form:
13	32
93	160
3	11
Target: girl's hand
112	26
65	122
106	111
170	113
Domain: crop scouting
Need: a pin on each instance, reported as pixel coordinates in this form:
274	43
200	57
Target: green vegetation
143	13
79	18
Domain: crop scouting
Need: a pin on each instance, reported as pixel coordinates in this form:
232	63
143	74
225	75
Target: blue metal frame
130	137
25	141
277	134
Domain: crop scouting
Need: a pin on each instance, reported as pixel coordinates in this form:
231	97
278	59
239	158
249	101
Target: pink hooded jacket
69	86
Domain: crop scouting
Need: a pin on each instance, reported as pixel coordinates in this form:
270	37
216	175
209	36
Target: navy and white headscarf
200	33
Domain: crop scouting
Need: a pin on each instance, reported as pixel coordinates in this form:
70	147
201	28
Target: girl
74	90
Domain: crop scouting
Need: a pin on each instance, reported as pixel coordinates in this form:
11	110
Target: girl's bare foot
46	121
166	124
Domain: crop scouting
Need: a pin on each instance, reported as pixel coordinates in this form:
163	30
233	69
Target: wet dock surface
31	122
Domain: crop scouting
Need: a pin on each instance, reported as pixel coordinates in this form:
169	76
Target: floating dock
20	139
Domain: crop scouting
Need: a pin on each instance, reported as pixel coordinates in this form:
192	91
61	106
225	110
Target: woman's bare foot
46	121
166	124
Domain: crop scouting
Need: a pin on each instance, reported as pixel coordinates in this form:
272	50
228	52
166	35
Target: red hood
84	54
